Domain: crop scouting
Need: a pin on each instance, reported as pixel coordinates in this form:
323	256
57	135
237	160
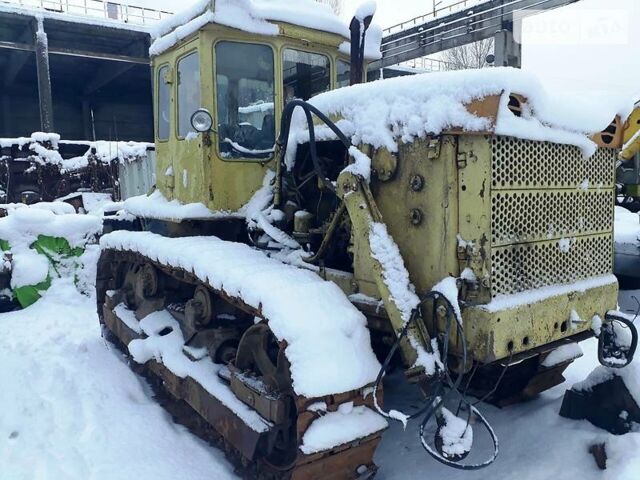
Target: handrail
448	9
427	64
97	9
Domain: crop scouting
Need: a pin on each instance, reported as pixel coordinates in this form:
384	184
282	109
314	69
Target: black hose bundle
445	386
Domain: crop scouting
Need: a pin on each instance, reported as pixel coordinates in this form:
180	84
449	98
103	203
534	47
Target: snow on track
329	347
70	408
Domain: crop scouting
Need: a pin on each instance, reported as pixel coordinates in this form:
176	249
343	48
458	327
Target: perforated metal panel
517	268
526	216
551	214
528	164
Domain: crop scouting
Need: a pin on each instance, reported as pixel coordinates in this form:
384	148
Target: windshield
245	100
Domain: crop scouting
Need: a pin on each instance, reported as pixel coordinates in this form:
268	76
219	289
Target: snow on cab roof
402	109
256	16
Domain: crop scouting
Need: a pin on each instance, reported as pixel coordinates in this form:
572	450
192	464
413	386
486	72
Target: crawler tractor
290	256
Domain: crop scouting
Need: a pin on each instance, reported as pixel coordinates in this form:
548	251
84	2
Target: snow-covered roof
255	16
402	109
66	16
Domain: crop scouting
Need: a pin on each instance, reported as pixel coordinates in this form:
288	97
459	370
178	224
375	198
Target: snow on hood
384	112
253	16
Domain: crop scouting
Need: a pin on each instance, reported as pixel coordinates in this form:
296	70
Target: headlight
201	120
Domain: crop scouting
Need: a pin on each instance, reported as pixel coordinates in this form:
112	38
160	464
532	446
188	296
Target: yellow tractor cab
238	67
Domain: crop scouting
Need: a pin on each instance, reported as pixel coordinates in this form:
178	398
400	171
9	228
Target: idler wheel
199	311
260	353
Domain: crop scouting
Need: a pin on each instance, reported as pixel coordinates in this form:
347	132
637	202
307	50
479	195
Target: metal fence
436	11
426	64
96	9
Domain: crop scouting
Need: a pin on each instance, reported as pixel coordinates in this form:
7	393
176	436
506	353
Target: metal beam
466	26
76	53
112	70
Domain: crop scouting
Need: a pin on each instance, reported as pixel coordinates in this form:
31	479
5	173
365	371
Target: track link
266	455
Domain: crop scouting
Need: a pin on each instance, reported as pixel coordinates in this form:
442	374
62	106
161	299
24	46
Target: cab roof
253	16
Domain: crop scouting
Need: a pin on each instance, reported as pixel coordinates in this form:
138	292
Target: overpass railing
96	9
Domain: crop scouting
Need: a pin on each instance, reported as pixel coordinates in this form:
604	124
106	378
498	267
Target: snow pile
167	349
339	427
626	226
253	16
36	137
329	347
107	152
71	409
156	205
23	226
402	109
456	435
630	375
57	207
102	151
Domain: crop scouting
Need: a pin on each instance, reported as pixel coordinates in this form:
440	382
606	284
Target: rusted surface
599	455
225	421
354	462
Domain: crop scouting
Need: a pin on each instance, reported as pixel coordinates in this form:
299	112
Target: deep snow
70	408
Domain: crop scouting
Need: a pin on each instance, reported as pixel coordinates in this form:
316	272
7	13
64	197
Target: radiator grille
526	216
527	164
517	268
551	214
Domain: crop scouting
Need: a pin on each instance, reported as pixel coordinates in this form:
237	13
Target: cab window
188	92
344	73
245	99
305	74
163	103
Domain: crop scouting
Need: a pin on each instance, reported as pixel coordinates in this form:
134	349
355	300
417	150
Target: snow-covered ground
70	409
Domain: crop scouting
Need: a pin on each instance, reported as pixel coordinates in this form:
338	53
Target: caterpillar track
252	371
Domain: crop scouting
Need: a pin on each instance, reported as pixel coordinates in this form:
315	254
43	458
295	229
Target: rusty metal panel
137	176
